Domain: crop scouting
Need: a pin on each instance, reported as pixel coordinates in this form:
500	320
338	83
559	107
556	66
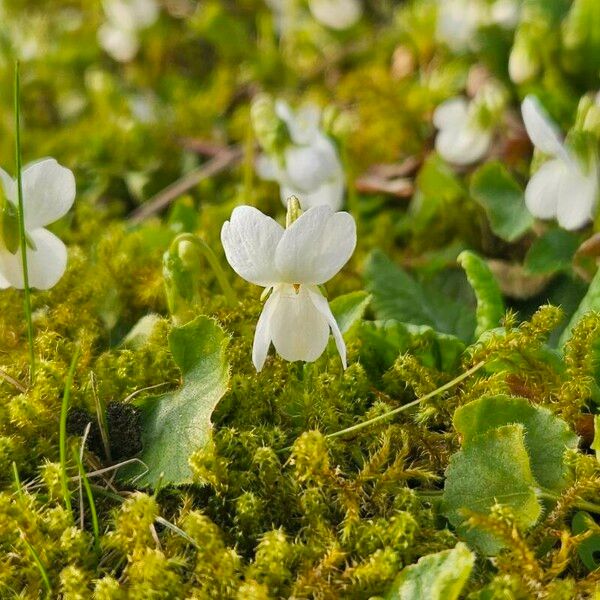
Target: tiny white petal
451	113
307	167
48	192
337	14
463	146
267	168
121	43
298	330
46	264
262	335
316	246
250	240
323	307
541	129
544	188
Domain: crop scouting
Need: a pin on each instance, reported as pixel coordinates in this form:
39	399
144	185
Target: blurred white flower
310	167
563	188
459	20
336	14
466	128
119	35
48	194
292	263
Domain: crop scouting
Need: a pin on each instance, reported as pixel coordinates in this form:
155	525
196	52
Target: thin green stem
581	504
63	430
213	261
90	498
17	479
22	234
404	407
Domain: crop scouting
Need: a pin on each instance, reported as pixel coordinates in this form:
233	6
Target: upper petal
298	330
250	240
541	129
544	187
577	199
48	192
45	265
307	167
322	306
316	246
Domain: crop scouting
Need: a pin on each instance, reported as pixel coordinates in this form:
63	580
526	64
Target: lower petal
262	335
322	306
298	330
543	189
578	197
46	264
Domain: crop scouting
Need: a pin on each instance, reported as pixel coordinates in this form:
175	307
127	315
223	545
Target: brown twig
161	200
13	381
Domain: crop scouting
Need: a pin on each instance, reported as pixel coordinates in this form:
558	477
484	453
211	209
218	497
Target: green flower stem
400	409
40	565
581	504
22	234
63	430
213	261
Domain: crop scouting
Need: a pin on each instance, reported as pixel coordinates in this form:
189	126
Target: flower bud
524	61
268	128
588	115
293	210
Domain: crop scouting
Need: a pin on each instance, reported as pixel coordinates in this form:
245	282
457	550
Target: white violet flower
310	167
459	20
563	187
336	14
48	194
119	35
292	263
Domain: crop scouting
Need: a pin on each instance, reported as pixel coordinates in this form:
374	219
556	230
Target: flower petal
322	306
46	264
48	192
9	186
463	146
308	167
298	330
262	335
541	129
577	199
337	14
267	168
122	44
303	124
250	240
450	113
316	246
329	194
544	187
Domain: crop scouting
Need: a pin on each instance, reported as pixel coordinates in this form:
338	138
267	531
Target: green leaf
494	188
589	549
546	436
490	306
396	295
440	576
493	469
176	424
384	341
349	309
552	252
591	301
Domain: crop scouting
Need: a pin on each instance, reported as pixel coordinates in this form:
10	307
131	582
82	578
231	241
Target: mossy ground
277	509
